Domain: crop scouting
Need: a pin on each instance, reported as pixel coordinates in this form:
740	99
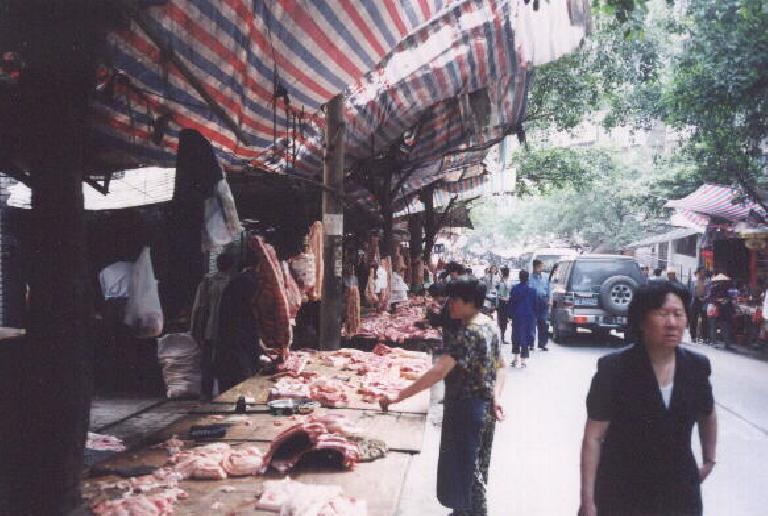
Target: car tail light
580	319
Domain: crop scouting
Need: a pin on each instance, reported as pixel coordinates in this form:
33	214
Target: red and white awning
719	201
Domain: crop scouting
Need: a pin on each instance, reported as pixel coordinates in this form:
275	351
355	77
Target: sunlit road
535	467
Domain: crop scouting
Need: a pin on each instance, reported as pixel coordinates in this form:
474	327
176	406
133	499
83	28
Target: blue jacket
540	283
522	302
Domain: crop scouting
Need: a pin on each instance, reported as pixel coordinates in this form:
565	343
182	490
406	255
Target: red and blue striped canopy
239	49
433	76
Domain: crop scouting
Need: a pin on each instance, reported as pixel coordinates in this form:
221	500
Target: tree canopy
700	69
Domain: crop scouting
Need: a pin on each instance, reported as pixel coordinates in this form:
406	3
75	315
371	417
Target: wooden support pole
415	228
430	224
46	378
332	304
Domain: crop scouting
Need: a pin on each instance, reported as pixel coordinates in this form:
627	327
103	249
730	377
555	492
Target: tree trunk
415	246
46	378
385	199
430	222
387	239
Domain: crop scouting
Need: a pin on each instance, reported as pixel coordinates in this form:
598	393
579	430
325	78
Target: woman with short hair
636	457
471	368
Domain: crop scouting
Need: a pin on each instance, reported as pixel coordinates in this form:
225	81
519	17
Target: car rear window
589	275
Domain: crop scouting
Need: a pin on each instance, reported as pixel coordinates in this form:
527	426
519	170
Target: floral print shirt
475	348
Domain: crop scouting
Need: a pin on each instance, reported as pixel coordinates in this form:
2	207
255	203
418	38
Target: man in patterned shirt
473	371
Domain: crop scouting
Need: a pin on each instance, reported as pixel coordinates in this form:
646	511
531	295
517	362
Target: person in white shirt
491	280
399	289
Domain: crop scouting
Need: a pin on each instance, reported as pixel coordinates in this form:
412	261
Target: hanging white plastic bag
179	355
227	204
143	312
222	223
215	232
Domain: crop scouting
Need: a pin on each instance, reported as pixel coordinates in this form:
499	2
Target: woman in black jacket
636	457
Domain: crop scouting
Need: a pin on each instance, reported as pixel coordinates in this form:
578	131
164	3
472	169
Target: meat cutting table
378	482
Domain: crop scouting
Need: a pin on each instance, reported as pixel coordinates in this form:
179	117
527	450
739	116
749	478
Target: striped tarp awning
406	65
689	219
239	50
719	201
458	83
462	190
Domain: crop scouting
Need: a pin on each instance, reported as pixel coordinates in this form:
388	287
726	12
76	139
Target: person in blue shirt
540	283
521	308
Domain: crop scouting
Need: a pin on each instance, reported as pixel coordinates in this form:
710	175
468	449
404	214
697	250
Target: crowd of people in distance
520	304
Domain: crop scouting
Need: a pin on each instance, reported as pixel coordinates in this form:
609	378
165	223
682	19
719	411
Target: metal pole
332	302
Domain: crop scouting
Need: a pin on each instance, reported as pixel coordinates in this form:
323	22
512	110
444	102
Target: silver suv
592	291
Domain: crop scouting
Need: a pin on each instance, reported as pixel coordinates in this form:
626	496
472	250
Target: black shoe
545	348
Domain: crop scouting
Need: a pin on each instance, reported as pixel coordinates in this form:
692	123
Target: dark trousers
522	335
465	456
542	329
699	313
503	318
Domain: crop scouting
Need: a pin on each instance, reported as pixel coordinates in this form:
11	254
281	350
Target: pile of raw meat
291	498
399	326
383	372
215	461
327	435
139	504
155	495
104	442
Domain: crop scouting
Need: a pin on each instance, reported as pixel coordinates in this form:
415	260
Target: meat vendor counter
329	451
407	326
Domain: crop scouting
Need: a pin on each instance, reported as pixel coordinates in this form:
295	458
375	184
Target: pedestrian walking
503	288
473	371
491	280
205	318
636	456
700	289
540	283
521	308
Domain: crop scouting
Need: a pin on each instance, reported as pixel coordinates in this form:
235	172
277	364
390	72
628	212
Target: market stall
227	455
734	249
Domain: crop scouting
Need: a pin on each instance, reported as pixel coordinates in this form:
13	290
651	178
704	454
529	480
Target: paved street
535	468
